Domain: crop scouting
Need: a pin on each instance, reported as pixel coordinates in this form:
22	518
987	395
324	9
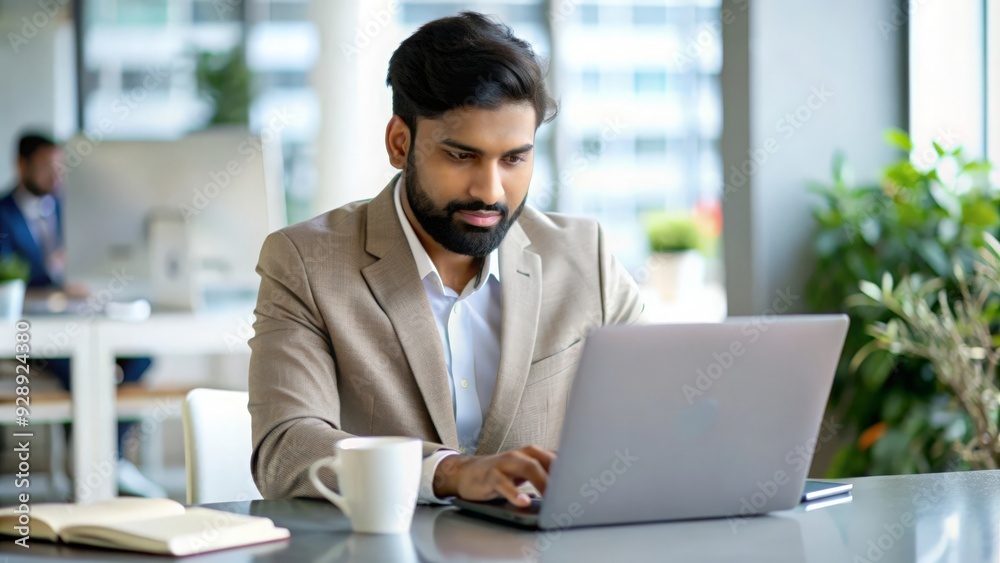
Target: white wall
800	81
38	88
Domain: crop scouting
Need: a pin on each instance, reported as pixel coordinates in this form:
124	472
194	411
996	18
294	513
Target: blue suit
16	238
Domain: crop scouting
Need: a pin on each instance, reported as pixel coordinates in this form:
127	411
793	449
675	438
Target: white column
356	40
378	34
335	79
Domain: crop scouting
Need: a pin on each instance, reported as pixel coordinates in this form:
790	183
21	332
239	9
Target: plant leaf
947	199
877	368
936	258
977	166
862	354
871	290
980	213
861	300
899	138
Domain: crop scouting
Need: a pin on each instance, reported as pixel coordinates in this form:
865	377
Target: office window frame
992	96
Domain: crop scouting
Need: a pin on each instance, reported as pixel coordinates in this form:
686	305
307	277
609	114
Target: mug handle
334	463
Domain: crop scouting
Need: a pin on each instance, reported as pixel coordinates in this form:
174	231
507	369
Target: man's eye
514	159
460	155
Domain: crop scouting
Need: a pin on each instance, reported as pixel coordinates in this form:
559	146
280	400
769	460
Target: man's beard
451	232
34	189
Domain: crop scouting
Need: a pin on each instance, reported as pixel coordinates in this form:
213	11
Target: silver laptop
683	421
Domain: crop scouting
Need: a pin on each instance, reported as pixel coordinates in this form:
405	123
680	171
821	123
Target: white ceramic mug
378	478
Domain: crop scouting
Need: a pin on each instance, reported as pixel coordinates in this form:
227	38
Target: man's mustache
456	206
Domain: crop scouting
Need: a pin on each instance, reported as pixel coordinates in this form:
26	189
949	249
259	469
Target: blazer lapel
521	296
394	281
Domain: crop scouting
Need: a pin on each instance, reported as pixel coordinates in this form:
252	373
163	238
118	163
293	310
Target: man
444	308
31	227
31	215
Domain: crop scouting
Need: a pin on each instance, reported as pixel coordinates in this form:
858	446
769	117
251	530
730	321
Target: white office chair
217	446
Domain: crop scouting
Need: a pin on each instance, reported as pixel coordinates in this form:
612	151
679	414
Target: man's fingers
500	475
505	486
545	457
525	467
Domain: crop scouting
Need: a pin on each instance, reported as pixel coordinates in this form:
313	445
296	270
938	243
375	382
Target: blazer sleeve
620	299
294	402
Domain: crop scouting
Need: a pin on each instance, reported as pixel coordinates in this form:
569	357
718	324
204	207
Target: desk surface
940	517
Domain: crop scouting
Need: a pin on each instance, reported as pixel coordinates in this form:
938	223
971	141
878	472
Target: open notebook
140	524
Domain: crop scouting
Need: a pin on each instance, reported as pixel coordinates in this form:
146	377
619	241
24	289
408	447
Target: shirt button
458	308
465	383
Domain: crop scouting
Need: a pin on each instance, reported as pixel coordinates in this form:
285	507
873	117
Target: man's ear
398	141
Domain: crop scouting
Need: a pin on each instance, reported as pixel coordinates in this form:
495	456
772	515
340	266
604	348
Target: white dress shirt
40	214
469	327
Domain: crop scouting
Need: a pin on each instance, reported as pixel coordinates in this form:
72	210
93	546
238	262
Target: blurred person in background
31	228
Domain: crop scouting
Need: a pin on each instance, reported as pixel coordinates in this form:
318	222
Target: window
635	132
650	81
293	79
592	146
216	11
139	62
643	137
530	13
591	79
416	13
590	14
947	52
142	79
649	15
993	87
128	12
289	11
650	146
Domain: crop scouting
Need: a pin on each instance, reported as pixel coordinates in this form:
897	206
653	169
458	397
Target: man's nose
488	186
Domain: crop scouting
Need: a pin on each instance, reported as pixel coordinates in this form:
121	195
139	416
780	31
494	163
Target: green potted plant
916	221
960	339
225	81
676	264
14	272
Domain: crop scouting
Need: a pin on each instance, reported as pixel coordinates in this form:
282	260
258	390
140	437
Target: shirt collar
425	266
32	206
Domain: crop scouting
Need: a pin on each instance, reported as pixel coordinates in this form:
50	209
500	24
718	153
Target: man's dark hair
465	60
32	142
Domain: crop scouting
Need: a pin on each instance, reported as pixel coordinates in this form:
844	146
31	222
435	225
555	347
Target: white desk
951	517
92	345
67	337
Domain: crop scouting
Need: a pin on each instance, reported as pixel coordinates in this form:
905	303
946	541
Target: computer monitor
141	209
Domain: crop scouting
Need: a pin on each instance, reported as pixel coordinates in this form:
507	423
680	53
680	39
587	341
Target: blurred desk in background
92	343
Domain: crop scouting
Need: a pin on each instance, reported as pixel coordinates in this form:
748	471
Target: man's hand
76	290
494	476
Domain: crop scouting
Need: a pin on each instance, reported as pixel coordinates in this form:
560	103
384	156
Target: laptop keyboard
534	508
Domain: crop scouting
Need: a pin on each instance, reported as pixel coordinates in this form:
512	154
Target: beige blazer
345	342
